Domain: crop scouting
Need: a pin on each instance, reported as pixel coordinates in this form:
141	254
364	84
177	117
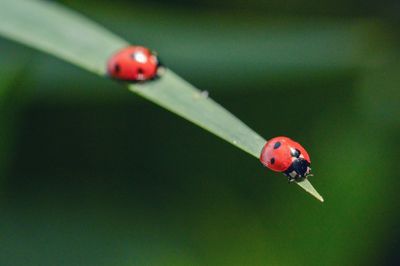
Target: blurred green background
94	175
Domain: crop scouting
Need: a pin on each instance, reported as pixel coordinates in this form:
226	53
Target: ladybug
282	154
134	63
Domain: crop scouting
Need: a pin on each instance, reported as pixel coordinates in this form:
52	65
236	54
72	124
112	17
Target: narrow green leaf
56	30
306	185
180	97
67	35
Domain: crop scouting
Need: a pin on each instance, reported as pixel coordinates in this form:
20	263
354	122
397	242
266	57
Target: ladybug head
299	168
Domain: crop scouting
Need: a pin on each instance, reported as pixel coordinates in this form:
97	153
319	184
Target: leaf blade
56	30
306	185
67	35
183	99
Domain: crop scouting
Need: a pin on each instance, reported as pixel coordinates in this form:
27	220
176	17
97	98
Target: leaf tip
306	185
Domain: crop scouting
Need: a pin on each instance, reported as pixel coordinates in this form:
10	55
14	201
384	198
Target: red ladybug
282	154
133	63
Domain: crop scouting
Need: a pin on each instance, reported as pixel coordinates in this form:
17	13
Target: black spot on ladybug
117	68
277	145
140	71
272	160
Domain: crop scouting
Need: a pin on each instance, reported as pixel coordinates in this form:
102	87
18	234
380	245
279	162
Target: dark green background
94	175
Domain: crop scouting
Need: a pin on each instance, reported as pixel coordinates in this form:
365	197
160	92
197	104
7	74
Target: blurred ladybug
133	63
282	154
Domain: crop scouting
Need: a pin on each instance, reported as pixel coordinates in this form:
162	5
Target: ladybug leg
290	178
291	174
300	178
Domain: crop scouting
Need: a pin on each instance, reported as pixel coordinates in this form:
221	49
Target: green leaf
67	35
306	185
